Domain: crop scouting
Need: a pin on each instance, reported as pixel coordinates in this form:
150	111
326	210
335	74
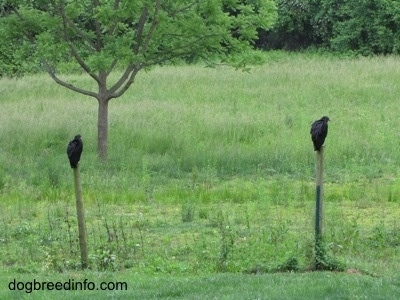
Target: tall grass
199	238
212	168
178	120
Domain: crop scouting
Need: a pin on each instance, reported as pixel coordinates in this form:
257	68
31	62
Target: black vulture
319	131
74	151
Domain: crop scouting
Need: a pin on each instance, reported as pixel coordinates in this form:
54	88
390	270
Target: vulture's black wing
74	151
319	131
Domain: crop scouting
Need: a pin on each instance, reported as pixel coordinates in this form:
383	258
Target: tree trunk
102	129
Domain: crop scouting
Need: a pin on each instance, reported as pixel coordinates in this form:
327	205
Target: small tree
105	36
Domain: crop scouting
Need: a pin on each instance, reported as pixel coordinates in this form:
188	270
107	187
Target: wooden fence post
319	208
81	219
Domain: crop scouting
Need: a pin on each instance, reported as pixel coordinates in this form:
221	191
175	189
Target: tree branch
111	31
99	42
139	32
27	32
152	28
129	75
86	38
80	61
113	64
124	77
116	5
81	33
74	52
126	86
182	9
185	49
63	83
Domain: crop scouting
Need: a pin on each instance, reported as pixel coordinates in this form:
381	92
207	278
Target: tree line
365	27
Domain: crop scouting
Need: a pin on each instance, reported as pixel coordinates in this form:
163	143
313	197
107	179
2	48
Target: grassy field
210	180
221	286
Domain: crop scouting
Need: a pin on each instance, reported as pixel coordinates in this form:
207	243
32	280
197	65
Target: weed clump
324	261
187	213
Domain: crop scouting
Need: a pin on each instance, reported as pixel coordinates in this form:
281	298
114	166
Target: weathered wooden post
80	211
319	192
319	251
319	131
74	151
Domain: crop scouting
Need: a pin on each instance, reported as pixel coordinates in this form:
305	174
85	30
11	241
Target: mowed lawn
209	188
316	285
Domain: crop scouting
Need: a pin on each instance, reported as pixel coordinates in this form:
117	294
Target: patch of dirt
354	271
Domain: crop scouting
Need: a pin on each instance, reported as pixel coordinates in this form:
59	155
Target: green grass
210	171
178	119
220	286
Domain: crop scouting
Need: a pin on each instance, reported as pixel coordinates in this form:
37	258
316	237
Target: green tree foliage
361	26
365	26
293	29
102	36
13	49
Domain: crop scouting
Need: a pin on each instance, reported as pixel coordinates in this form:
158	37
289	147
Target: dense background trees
361	26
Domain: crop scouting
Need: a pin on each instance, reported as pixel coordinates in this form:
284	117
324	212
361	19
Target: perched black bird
319	131
74	151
